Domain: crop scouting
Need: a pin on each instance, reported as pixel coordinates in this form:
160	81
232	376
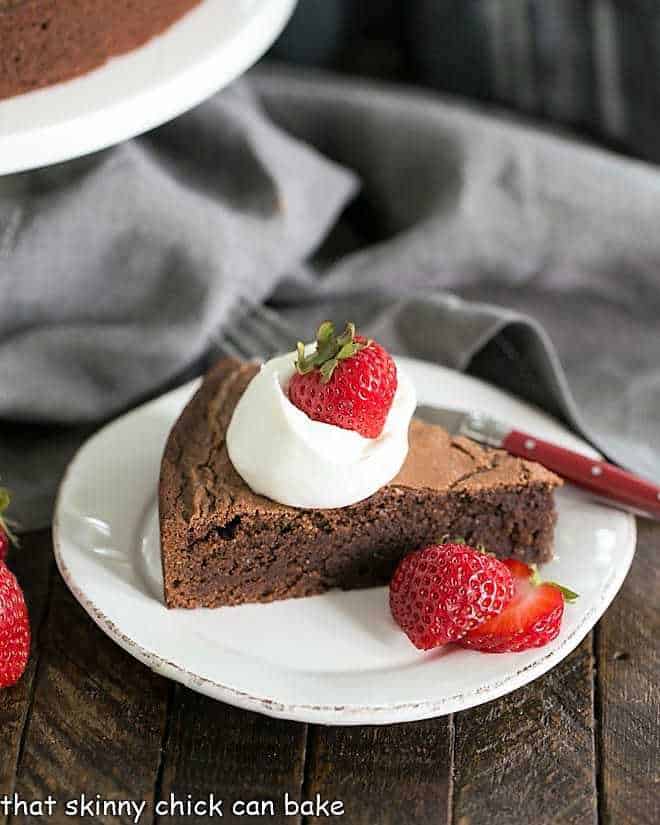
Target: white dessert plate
209	47
332	659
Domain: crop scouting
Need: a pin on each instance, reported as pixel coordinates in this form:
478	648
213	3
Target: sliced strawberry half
531	619
438	593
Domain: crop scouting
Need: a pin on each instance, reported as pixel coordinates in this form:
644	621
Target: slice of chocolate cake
224	545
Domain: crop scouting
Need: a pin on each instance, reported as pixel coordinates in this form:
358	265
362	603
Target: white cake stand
205	50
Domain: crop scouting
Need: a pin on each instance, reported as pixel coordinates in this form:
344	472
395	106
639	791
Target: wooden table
579	745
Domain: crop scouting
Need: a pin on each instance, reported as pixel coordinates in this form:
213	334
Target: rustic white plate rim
101	555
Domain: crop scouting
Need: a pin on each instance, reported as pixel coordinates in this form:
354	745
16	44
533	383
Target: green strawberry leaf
5	523
569	595
330	349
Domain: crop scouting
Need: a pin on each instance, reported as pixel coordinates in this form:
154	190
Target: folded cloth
474	241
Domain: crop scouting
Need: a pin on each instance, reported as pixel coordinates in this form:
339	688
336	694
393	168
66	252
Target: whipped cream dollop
283	454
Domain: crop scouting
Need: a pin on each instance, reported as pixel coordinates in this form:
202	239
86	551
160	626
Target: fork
255	332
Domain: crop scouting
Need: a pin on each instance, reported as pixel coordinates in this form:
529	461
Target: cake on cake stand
204	51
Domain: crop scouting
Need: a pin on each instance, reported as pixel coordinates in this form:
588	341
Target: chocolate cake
47	41
224	545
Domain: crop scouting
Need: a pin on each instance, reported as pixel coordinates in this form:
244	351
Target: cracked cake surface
223	544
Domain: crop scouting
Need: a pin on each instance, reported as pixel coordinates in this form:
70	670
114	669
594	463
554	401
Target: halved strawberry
531	619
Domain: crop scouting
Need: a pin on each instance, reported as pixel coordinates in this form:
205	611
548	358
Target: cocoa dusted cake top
198	480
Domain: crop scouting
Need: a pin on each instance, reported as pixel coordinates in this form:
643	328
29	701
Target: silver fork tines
255	331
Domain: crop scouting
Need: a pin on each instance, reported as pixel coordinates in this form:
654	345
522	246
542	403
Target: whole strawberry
440	593
14	629
347	381
531	619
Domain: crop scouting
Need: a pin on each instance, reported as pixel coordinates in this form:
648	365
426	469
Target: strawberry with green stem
6	536
346	380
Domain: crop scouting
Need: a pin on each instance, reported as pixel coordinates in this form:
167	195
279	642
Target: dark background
591	65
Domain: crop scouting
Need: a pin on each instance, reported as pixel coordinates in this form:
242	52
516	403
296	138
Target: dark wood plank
629	699
529	757
97	720
32	564
395	775
237	755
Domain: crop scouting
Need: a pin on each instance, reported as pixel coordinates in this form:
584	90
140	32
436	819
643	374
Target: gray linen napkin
470	236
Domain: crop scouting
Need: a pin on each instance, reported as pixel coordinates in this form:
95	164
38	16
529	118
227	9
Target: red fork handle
606	480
